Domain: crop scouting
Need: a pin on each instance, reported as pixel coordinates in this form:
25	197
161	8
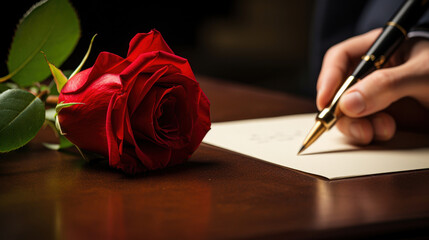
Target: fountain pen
394	32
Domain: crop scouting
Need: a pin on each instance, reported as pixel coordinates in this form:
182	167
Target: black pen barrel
393	34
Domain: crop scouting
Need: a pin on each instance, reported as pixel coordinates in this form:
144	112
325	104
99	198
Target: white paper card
277	140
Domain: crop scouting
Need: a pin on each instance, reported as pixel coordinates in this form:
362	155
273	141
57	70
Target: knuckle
383	79
333	51
421	66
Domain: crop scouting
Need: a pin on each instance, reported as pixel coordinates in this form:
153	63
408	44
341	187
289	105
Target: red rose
146	111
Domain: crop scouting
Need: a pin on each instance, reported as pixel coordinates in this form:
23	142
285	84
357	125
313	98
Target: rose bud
143	112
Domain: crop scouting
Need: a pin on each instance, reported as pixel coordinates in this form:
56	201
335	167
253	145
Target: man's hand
406	74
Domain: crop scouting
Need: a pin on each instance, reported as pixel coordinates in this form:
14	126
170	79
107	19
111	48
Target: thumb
375	92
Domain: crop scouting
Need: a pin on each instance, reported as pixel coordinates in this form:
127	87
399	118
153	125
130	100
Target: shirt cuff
419	31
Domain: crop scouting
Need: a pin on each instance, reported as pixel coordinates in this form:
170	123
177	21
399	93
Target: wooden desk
216	195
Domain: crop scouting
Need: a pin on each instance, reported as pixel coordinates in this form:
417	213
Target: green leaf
21	116
59	77
84	58
7	85
49	26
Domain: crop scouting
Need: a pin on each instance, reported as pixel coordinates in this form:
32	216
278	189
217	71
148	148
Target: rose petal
159	65
174	125
88	119
105	63
115	126
192	91
200	129
152	61
203	114
139	65
129	162
151	155
147	42
175	64
163	117
142	119
182	79
141	87
76	83
114	156
158	156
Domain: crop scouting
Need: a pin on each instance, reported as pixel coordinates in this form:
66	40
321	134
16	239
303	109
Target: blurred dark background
256	42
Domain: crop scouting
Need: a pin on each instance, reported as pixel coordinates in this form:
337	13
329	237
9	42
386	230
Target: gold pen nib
314	134
303	147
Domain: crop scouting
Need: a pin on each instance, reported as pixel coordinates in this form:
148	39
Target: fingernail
356	131
354	102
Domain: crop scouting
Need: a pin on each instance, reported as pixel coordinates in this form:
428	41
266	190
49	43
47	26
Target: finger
337	64
359	130
380	127
383	87
384	126
375	92
418	79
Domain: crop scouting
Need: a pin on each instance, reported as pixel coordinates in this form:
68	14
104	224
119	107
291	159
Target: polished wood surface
216	195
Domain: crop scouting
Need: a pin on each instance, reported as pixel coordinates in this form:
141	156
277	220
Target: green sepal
84	58
59	77
62	105
58	108
64	143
